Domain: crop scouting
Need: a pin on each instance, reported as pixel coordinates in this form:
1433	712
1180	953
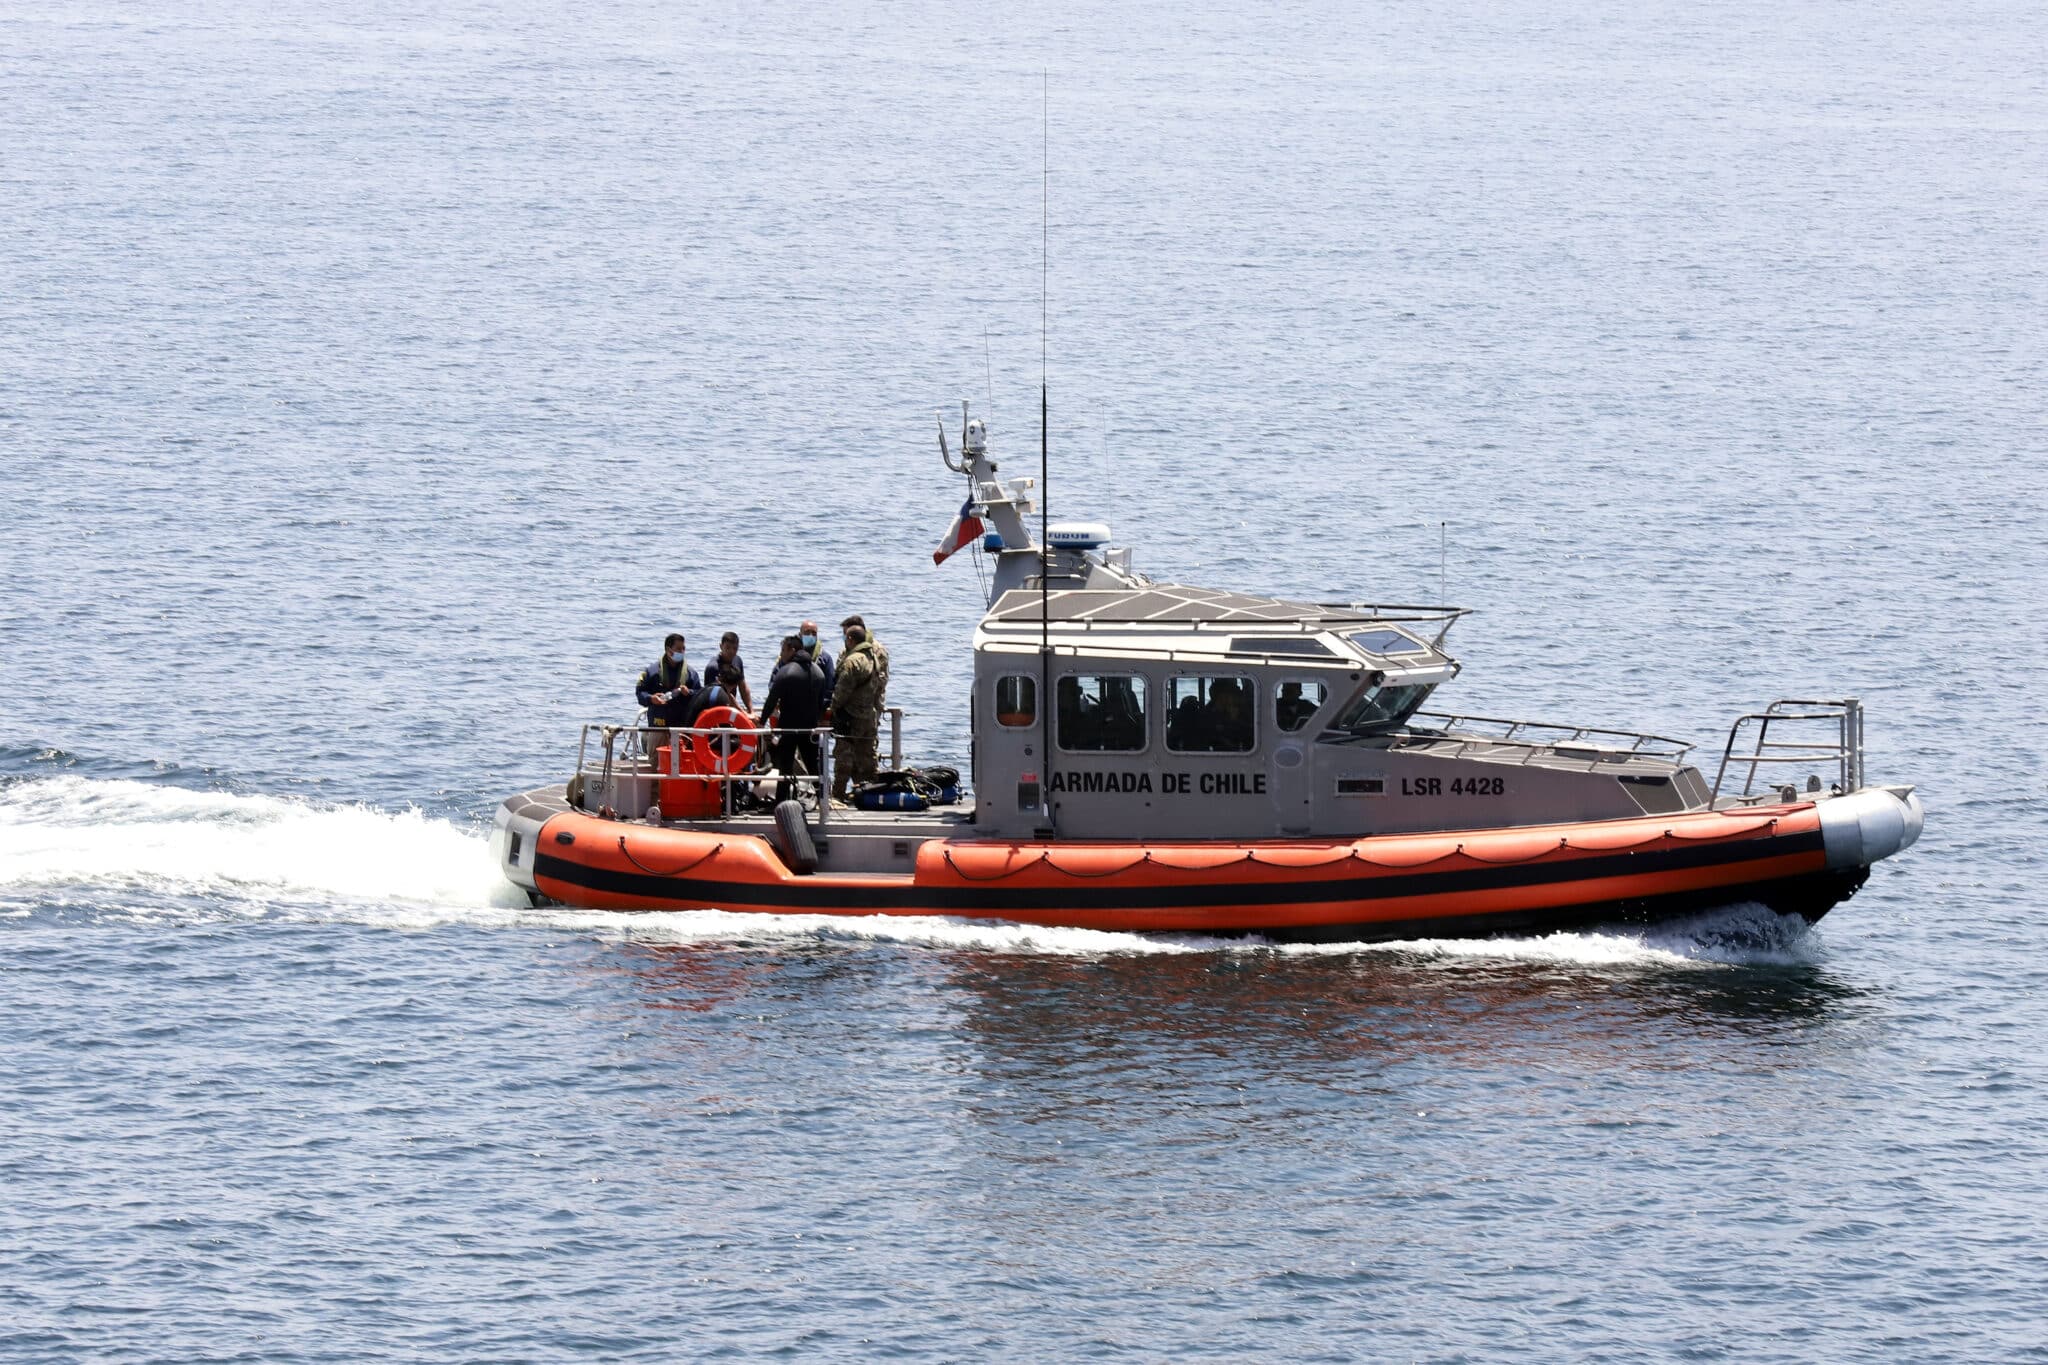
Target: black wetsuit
794	701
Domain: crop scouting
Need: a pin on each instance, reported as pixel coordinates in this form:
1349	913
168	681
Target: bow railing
1796	733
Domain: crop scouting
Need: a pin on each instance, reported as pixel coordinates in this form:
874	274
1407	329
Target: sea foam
77	831
248	853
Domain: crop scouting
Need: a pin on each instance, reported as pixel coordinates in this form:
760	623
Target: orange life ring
719	755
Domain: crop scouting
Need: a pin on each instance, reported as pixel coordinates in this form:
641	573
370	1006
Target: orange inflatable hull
1388	886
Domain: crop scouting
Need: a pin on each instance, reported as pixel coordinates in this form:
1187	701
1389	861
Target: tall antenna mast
988	371
1044	289
1046	707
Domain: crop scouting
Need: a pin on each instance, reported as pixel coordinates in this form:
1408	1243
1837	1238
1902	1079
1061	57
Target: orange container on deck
680	790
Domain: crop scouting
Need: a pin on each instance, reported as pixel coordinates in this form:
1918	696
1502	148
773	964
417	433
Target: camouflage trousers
853	759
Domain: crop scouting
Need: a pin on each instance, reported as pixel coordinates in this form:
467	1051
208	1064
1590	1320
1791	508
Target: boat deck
849	841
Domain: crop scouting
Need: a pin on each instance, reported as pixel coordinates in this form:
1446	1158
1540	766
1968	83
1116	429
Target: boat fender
1864	826
793	839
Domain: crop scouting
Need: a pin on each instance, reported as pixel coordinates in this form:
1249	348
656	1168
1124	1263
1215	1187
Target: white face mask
675	656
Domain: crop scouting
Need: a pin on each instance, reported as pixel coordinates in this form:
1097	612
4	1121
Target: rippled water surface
376	388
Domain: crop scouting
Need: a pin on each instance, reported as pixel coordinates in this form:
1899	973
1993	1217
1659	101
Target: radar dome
1077	535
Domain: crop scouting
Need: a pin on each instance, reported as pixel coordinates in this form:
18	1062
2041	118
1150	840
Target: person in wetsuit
808	633
794	705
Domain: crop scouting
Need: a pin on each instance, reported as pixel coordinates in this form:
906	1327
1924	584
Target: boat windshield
1382	707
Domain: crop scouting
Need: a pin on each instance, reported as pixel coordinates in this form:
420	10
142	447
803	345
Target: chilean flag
965	530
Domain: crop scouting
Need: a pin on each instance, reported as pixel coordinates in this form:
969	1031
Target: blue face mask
675	656
810	642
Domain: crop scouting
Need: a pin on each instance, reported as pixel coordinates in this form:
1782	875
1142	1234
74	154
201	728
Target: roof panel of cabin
1160	602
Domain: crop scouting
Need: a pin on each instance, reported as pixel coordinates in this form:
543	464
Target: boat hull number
1457	786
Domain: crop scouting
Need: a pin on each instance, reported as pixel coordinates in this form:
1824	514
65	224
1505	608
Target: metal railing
1443	618
627	752
1341	616
1547	736
632	750
1841	746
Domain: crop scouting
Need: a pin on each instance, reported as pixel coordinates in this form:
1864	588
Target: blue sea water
377	386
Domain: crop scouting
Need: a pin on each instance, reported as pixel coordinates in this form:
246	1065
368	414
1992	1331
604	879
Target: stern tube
516	835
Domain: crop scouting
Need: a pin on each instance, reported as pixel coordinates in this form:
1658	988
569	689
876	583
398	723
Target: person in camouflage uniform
859	692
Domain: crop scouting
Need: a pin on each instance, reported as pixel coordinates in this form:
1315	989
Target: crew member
1230	717
859	692
808	633
1292	709
728	670
794	696
666	688
708	697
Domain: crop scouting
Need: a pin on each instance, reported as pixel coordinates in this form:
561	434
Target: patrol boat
1218	762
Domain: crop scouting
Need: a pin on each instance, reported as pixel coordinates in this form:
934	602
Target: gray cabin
1108	706
1189	713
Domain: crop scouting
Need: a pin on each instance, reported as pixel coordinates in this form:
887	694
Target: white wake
70	831
252	854
1736	935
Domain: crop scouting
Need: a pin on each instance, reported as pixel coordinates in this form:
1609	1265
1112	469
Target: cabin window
1296	701
1387	642
1102	714
1383	707
1281	644
1017	700
1210	715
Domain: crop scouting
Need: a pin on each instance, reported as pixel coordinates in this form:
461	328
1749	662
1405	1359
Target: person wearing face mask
807	635
667	685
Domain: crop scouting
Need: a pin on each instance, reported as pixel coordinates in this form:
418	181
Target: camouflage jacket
860	686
